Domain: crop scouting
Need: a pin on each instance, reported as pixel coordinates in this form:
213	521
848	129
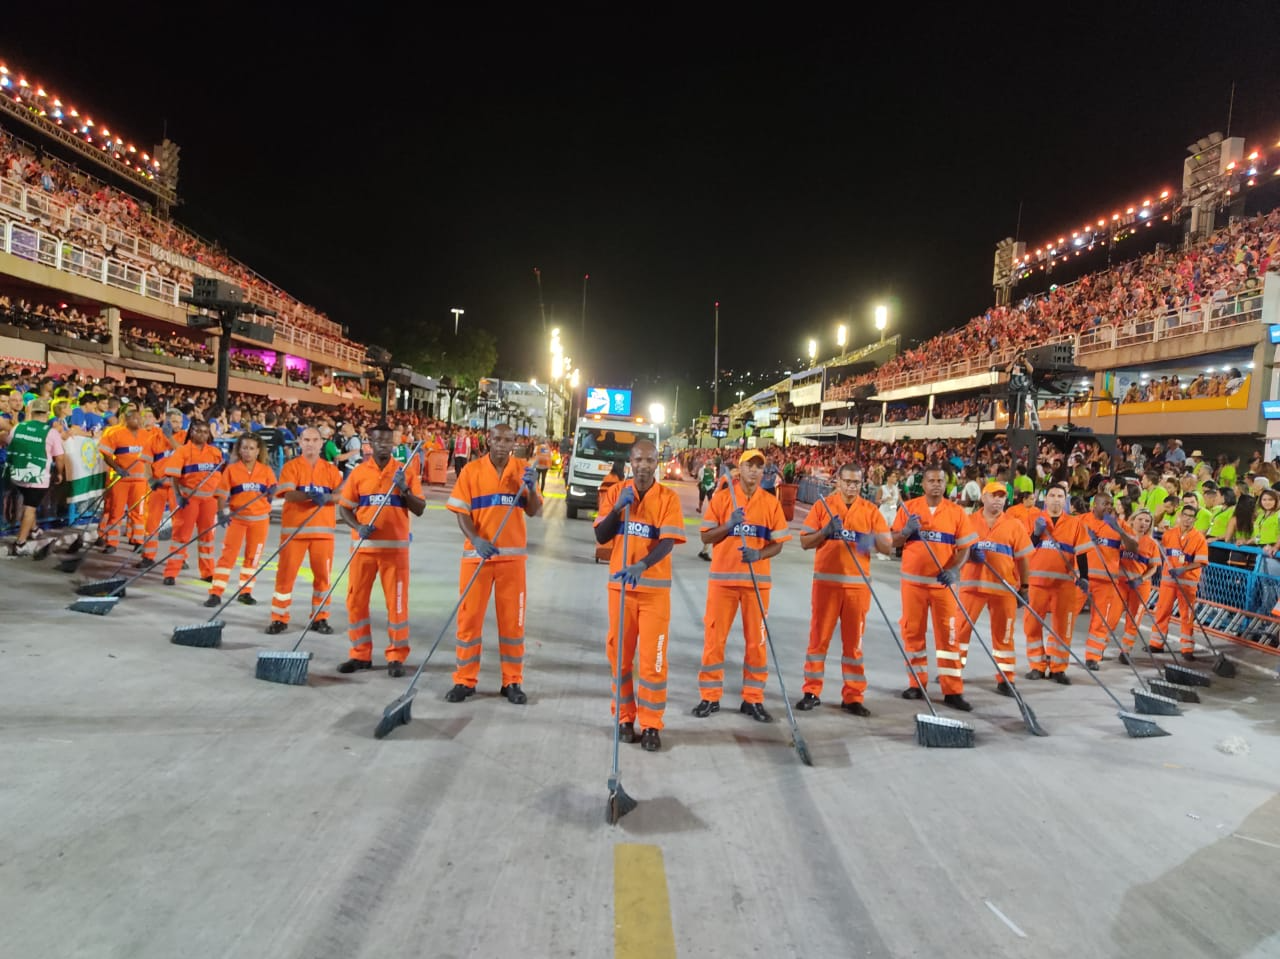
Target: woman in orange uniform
1137	567
242	490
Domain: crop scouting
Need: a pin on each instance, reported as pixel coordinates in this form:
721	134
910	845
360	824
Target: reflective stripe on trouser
919	603
1107	608
392	567
1002	612
254	537
648	616
506	582
1164	613
198	515
156	505
723	604
847	604
1136	603
1058	605
318	551
124	499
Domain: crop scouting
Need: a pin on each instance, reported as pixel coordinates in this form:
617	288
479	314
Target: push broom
619	802
931	729
1144	700
1136	726
289	667
100	604
1028	716
108	587
802	749
208	634
399	712
1181	674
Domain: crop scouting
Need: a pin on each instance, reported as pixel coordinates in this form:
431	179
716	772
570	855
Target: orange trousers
392	567
723	604
647	615
1058	605
1108	608
199	515
1002	613
506	581
252	533
1185	597
919	603
318	551
156	505
831	603
124	499
1136	604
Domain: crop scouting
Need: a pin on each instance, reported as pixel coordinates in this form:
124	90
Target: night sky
798	172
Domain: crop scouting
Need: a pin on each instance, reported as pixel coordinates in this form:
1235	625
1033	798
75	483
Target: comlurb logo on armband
640	529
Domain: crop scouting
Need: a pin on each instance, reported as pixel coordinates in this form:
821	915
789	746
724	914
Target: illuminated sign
608	402
1271	409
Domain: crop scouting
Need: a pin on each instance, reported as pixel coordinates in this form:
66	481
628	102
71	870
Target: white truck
598	442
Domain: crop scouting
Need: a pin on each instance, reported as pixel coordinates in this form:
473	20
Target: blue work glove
269	492
737	517
156	483
977	555
180	500
1112	522
864	543
320	497
834	527
484	549
224	518
530	478
912	526
625	499
399	481
1041	526
1082	585
630	575
1023	593
1135	582
947	578
749	554
365	530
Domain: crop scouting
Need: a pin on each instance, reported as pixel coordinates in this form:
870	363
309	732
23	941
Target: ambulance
598	443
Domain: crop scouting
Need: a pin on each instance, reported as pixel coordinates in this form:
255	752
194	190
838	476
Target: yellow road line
641	906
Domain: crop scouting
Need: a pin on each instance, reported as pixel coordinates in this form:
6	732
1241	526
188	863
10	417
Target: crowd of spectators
964	410
171	344
1229	262
61	321
86	198
904	412
1202	386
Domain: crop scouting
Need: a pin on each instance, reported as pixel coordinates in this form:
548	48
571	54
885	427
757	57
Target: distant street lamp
882	320
456	313
842	336
657	414
813	349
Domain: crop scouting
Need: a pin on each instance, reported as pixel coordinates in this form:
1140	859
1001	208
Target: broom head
1186	677
802	749
202	635
1224	667
943	732
619	803
1151	704
1183	694
70	563
96	605
113	587
397	714
1029	717
288	668
1139	728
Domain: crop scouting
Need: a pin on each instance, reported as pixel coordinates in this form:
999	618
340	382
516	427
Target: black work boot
514	694
459	693
395	670
627	732
756	711
1004	689
706	708
912	692
809	701
956	701
857	709
650	742
276	628
352	665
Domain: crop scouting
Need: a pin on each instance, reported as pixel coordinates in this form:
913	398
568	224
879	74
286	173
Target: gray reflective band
400	642
815	658
655	687
304	531
753	683
404	625
837	578
510	641
511	659
650	704
502	551
712	667
359	624
923	580
671	531
468	643
460	504
716	684
846	661
381	543
743	577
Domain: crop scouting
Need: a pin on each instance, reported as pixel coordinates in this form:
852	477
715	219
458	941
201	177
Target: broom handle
1124	605
261	566
1026	604
617	654
458	605
359	542
1182	597
880	606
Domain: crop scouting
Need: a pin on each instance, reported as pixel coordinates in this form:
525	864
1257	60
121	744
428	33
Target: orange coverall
1002	543
196	474
315	541
161	450
1053	593
1180	549
132	452
1107	603
240	486
652	517
1132	566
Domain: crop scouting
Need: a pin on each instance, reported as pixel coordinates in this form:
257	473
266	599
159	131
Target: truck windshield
606	444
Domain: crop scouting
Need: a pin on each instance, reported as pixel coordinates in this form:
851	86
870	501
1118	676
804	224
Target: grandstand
1177	339
92	278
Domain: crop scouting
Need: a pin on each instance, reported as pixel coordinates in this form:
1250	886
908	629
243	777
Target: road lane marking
1005	919
641	906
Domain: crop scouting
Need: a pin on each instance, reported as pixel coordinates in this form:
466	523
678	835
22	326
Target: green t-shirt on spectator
1023	484
1153	497
1218	525
1227	476
1204	519
330	452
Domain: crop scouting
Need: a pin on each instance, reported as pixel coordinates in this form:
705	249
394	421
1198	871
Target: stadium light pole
882	320
715	377
456	313
813	350
842	336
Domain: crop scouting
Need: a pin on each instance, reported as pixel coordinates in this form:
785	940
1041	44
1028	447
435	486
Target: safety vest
28	457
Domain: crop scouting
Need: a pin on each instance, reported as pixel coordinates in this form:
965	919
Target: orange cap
751	455
994	487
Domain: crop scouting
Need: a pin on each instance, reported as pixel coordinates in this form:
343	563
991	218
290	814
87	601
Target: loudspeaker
1052	356
210	288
